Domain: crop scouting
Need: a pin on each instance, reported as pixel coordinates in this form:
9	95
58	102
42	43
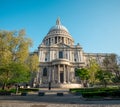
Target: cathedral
59	58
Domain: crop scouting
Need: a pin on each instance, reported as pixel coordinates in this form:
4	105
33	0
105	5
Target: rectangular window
55	39
60	54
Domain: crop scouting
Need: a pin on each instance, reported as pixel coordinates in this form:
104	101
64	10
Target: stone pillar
43	56
41	75
53	77
81	55
64	73
78	57
39	55
58	73
68	55
68	74
49	41
57	39
48	74
49	77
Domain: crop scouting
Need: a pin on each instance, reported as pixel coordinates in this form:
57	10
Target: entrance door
61	77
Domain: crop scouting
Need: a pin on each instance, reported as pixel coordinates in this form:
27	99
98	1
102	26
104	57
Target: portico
60	71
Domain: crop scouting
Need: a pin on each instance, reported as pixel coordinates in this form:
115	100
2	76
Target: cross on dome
58	21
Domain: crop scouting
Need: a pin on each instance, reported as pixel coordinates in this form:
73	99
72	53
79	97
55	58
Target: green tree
33	63
111	64
83	75
116	70
104	77
14	50
14	73
93	67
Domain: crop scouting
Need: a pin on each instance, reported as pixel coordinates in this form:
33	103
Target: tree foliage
93	67
14	51
33	63
84	75
111	63
104	77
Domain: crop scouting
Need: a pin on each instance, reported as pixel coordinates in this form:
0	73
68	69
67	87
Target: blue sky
95	24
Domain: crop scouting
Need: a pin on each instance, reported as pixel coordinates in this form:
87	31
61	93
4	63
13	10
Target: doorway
61	77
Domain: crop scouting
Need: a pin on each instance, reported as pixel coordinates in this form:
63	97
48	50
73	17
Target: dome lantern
58	21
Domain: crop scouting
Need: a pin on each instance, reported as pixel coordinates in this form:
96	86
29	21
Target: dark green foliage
97	92
28	90
102	94
6	93
83	74
21	90
104	76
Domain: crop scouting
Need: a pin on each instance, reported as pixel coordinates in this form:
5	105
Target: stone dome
58	34
58	26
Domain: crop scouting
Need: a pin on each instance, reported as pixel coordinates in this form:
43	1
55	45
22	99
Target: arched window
45	72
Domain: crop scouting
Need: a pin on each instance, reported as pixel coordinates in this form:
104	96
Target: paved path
52	100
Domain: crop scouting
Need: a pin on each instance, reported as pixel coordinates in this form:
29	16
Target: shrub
98	92
28	89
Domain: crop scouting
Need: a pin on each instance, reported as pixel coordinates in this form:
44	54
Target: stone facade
59	57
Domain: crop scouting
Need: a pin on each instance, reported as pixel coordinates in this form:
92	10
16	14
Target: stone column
64	73
57	39
40	76
73	56
49	78
53	77
68	55
39	55
68	74
48	42
58	73
81	55
54	40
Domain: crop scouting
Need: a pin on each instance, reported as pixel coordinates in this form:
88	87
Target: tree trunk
4	85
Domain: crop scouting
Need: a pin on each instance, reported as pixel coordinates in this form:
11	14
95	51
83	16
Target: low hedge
4	92
19	90
98	92
101	94
28	89
83	90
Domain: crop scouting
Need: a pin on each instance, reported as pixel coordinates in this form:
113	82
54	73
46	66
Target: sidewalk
50	99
